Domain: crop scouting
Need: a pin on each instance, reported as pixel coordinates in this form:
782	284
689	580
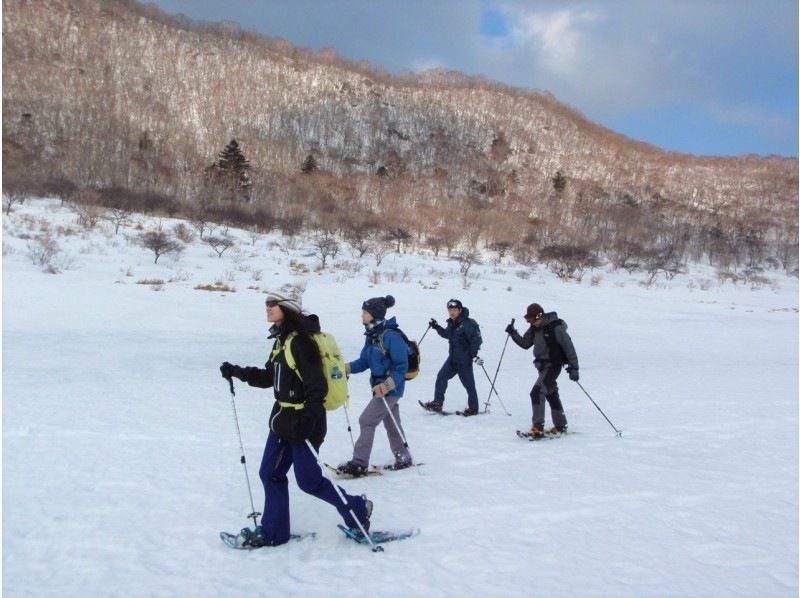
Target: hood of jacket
551	317
461	317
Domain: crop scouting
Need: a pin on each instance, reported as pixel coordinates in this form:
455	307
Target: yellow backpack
333	367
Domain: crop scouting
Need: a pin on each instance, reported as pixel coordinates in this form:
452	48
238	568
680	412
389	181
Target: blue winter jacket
464	337
394	363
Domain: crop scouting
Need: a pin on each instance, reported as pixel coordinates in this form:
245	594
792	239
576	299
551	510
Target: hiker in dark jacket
385	355
464	338
298	414
552	348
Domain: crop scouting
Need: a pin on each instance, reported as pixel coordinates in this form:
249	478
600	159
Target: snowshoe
352	469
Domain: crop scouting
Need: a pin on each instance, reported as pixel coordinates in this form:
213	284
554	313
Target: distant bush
218	286
160	243
568	262
43	250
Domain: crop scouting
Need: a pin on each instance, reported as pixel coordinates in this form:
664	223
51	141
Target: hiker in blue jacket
385	354
464	337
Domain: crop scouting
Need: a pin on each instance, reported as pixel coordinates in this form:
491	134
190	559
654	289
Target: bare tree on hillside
568	262
466	260
13	193
379	248
326	246
662	260
88	209
118	217
398	235
220	244
160	243
434	243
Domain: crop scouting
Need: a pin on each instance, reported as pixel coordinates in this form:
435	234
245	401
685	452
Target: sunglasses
272	304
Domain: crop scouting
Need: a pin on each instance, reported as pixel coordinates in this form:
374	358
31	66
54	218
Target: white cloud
558	38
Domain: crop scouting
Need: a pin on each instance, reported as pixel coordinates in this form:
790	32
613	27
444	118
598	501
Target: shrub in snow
220	244
217	286
43	250
160	243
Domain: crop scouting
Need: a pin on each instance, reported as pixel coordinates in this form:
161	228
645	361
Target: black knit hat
455	303
377	306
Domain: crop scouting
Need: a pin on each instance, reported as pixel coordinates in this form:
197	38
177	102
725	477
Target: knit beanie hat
377	306
534	311
455	303
294	303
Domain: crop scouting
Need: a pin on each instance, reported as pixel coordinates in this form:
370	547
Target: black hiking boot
434	406
353	469
366	520
402	463
469	411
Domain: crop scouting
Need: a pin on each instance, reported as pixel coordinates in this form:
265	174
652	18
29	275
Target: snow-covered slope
121	460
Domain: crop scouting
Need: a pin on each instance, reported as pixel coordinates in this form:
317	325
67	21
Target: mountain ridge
110	93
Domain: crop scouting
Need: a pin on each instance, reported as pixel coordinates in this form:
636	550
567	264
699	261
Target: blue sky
705	77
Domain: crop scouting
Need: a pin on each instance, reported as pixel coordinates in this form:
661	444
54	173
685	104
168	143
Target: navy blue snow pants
279	456
464	371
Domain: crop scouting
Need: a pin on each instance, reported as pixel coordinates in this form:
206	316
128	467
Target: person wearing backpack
552	348
464	337
298	414
385	355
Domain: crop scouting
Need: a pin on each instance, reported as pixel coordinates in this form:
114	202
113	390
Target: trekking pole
253	512
375	547
493	390
497	371
619	432
349	429
423	335
399	430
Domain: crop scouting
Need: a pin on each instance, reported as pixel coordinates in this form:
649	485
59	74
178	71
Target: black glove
433	323
573	374
510	329
228	370
310	416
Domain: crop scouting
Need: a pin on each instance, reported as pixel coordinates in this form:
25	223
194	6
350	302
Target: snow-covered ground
121	460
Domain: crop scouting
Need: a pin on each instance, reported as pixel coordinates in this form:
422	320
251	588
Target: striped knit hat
293	303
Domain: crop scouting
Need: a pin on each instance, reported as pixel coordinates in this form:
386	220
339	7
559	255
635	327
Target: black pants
464	372
546	389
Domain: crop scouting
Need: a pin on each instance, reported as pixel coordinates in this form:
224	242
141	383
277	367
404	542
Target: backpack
333	367
553	348
477	331
414	357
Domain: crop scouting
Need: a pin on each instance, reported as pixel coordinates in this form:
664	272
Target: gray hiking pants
546	389
375	413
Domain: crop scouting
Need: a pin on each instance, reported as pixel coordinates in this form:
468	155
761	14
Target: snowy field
121	460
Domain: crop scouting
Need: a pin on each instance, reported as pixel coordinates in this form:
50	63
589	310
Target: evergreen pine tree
309	165
232	159
559	182
231	170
